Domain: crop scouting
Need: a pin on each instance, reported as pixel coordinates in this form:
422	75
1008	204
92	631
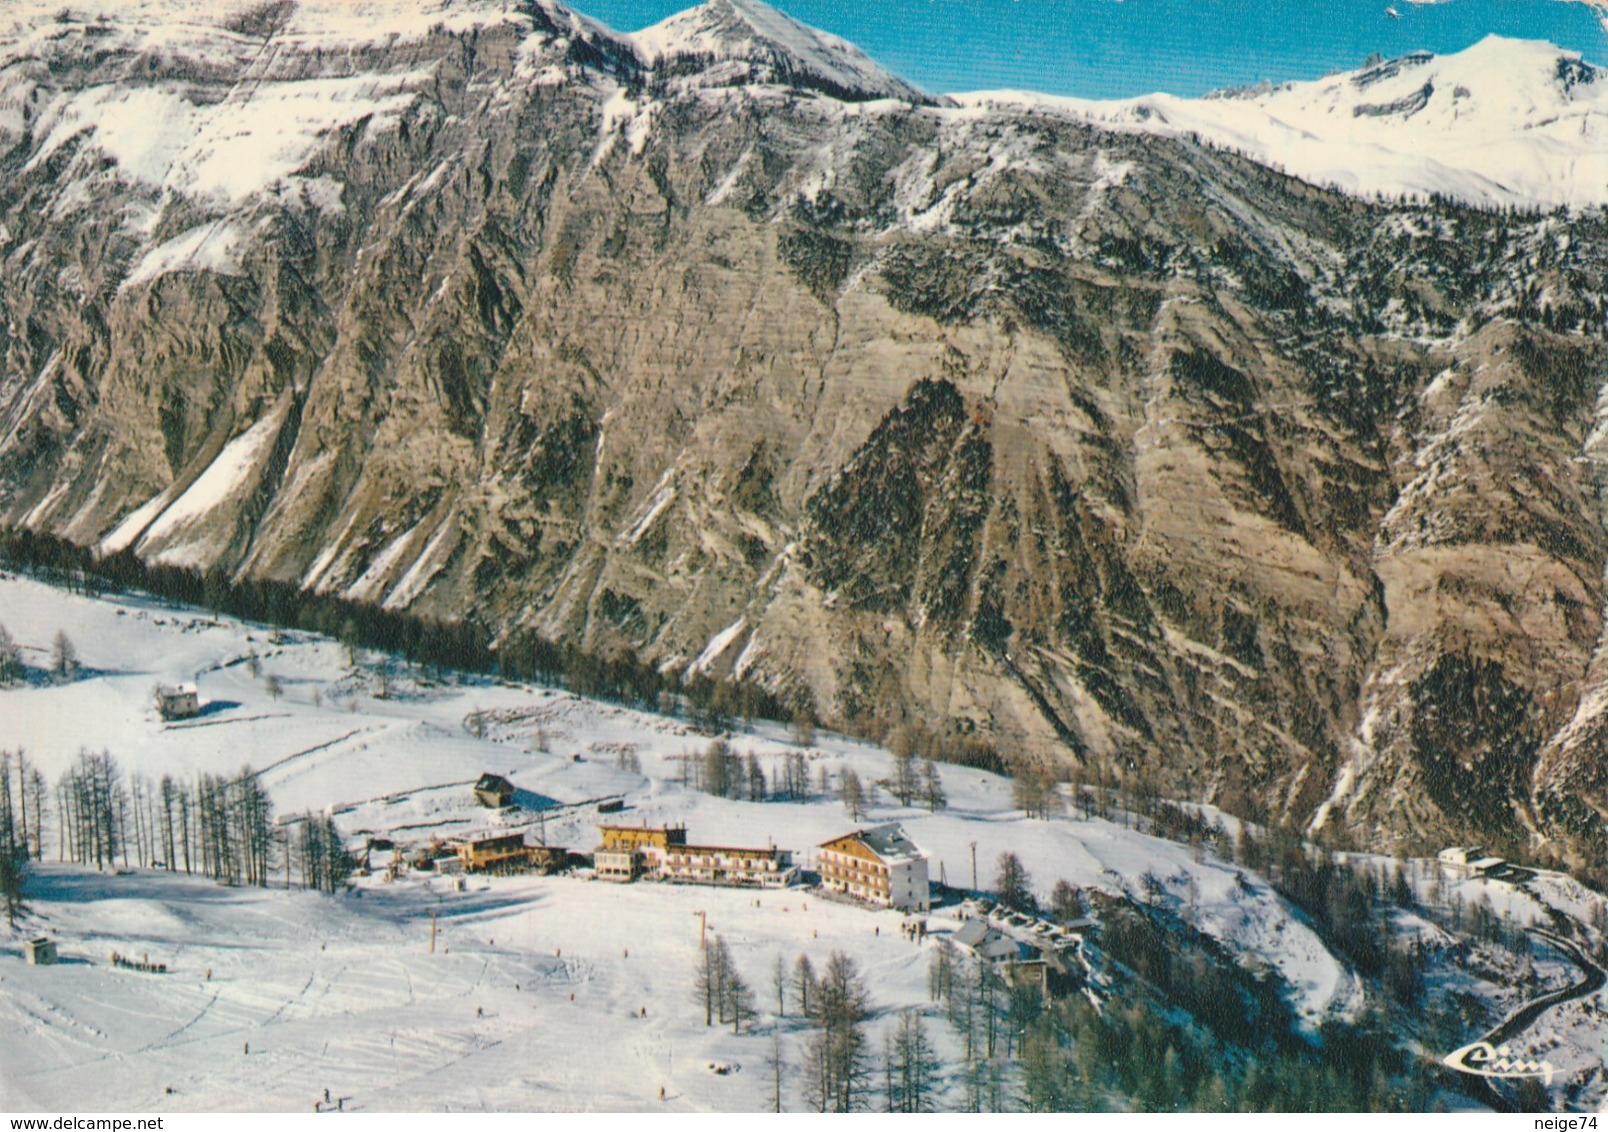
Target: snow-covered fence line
312	750
141	964
236	719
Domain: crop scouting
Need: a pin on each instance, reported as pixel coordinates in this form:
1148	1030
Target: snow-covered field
533	999
343	992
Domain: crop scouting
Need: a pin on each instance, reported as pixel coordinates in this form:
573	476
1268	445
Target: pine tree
839	1065
14	869
325	863
797	772
941	972
778	1068
913	1066
852	793
1211	1095
10	659
804	986
63	655
1066	902
36	792
1401	890
13	853
738	1000
803	726
1034	792
722	771
890	1090
1045	1071
904	777
932	788
714	963
1012	884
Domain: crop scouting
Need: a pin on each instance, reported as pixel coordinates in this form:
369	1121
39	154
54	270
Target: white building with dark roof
878	865
181	701
1462	863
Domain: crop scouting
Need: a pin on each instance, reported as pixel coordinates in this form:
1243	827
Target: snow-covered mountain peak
1504	121
748	41
225	103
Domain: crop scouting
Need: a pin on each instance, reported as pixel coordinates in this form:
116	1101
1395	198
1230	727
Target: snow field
343	991
1501	122
344	994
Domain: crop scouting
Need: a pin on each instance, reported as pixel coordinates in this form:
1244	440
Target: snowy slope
175	135
768	47
329	23
1504	122
344	993
402	764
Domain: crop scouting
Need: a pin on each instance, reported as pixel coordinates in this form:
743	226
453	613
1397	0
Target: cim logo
1484	1060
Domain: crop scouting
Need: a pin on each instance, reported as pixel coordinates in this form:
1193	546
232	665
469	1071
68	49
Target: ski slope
343	993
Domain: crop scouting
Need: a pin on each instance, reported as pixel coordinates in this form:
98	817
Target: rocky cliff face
728	347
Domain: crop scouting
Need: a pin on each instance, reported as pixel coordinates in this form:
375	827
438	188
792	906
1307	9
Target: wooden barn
479	851
494	791
506	853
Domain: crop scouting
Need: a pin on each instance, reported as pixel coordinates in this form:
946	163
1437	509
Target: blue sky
1120	48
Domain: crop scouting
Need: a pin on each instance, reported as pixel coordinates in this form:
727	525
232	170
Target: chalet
1468	863
181	701
626	852
617	864
479	852
494	791
712	864
990	944
1038	966
879	865
40	952
653	839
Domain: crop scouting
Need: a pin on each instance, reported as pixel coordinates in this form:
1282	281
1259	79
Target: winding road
1592	979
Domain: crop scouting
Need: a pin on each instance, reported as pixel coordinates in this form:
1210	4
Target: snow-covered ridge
222	103
226	105
1504	122
332	21
774	46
